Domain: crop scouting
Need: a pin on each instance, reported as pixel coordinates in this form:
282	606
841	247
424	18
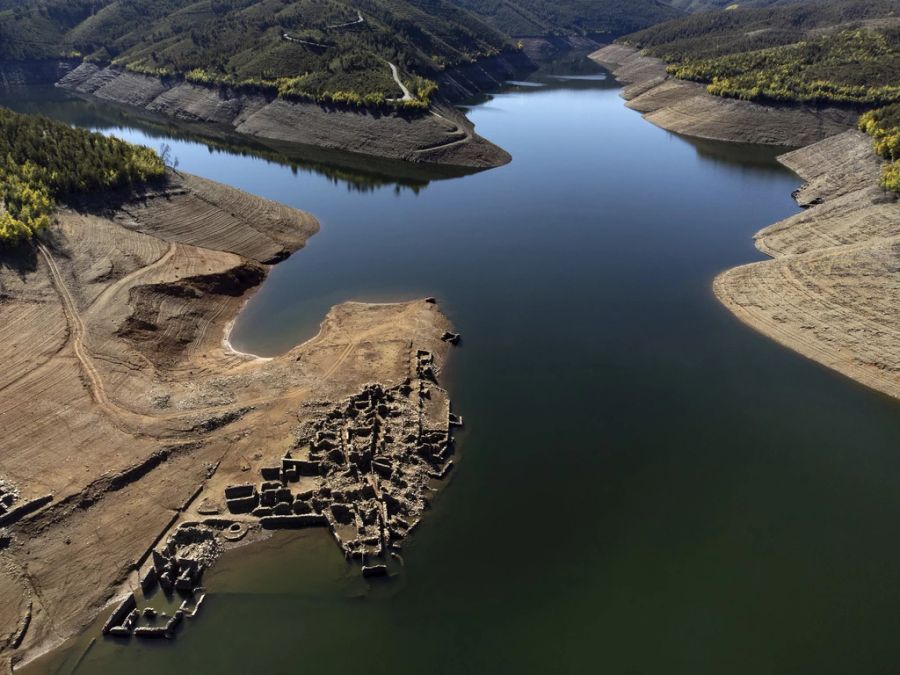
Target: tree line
883	125
42	161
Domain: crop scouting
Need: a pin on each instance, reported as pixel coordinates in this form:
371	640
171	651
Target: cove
644	485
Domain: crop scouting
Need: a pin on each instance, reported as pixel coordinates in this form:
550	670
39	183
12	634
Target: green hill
326	50
740	30
845	51
307	48
568	17
42	160
839	52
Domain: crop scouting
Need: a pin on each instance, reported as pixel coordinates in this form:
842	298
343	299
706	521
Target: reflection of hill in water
358	172
747	156
566	71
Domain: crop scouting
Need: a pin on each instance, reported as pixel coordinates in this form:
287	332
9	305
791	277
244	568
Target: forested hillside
321	49
42	160
568	17
840	52
710	5
325	50
735	31
854	66
883	125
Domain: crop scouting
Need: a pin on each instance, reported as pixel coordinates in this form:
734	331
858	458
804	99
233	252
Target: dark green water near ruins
644	485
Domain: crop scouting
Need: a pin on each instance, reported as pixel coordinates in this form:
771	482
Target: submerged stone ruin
177	567
365	468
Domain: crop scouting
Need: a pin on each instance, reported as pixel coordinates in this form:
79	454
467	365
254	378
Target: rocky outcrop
686	107
832	290
442	136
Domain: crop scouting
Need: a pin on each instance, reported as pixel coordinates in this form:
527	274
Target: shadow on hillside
20	259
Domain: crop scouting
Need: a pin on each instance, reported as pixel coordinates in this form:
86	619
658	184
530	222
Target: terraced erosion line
104	298
832	289
78	332
115	412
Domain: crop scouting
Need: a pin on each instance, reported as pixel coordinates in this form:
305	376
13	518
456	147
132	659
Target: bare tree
168	159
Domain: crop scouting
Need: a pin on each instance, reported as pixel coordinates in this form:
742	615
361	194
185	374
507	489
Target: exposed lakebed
644	484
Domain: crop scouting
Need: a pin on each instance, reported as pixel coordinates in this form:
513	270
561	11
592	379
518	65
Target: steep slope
712	5
318	49
742	30
570	17
830	54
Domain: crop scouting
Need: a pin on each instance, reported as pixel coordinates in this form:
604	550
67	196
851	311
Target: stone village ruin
365	468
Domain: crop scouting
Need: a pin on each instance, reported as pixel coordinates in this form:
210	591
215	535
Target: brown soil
832	290
120	398
686	108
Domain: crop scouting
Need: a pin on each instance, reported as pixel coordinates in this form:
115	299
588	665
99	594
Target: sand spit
123	411
832	290
686	107
439	136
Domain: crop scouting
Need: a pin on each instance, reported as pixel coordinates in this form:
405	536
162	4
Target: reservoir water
644	484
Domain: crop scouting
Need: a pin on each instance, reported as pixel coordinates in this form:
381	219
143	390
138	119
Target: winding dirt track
76	326
122	401
407	94
107	295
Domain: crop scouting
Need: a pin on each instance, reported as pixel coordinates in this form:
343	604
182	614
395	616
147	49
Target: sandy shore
122	402
832	290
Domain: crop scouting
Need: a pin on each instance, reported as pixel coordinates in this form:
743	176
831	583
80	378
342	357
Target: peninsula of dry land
125	412
832	290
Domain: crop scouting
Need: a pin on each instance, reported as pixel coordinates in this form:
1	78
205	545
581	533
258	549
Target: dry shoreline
441	135
124	409
832	290
686	108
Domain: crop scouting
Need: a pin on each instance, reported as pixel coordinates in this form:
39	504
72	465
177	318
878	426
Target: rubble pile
365	468
177	567
9	495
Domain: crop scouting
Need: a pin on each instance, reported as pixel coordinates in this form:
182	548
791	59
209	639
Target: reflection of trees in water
569	70
358	173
